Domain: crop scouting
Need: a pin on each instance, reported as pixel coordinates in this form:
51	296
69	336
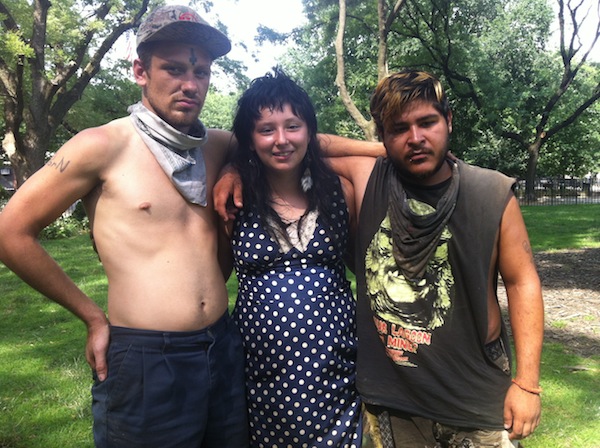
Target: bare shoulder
515	253
512	226
218	147
220	141
81	163
101	141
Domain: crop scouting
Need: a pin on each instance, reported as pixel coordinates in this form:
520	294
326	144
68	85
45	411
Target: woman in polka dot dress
295	308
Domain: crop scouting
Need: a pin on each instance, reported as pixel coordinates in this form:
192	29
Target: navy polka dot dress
296	313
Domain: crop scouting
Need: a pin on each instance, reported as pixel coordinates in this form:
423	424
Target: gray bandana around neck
178	154
415	237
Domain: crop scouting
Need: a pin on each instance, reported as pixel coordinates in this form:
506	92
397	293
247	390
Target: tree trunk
27	157
367	126
32	117
534	152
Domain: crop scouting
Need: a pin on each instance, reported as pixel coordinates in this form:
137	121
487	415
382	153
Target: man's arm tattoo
59	165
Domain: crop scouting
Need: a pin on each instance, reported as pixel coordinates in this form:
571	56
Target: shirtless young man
167	362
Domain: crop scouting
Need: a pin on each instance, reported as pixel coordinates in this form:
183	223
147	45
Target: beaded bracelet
535	390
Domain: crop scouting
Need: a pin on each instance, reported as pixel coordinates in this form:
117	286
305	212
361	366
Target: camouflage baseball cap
175	23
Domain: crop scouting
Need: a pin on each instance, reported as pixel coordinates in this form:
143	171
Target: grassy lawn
563	226
44	378
45	381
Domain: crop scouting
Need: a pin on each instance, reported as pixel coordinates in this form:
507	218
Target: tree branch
39	89
9	21
69	96
568	53
576	113
366	126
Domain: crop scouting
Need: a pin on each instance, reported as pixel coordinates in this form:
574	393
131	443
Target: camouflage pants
383	430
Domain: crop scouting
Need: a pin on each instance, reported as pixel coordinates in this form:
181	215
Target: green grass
570	401
45	381
44	378
563	226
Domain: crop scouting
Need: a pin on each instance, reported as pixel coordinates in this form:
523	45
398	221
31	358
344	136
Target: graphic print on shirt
406	313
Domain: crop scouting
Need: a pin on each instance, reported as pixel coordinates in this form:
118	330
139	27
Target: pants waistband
163	339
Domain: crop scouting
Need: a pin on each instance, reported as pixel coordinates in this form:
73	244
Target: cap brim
205	36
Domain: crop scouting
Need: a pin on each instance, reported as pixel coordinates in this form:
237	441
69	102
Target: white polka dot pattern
296	315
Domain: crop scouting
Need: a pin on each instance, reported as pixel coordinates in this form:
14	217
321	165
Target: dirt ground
571	288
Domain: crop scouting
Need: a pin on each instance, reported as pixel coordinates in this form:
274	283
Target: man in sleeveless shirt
434	364
167	361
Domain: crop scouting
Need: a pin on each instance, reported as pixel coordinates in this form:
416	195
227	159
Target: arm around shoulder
336	146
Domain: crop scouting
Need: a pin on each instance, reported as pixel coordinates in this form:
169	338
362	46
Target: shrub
65	227
79	212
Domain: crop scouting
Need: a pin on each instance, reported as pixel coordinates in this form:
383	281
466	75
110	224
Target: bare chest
137	192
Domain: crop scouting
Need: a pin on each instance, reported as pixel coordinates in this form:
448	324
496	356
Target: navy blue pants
172	389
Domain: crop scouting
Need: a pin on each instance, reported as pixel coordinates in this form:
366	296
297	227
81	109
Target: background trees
515	97
522	105
50	53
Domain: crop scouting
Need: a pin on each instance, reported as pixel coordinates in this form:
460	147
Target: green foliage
491	55
4	196
575	151
62	53
64	227
488	150
312	62
14	46
219	109
318	80
68	225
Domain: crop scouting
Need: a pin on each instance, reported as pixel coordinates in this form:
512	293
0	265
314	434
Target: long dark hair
274	91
